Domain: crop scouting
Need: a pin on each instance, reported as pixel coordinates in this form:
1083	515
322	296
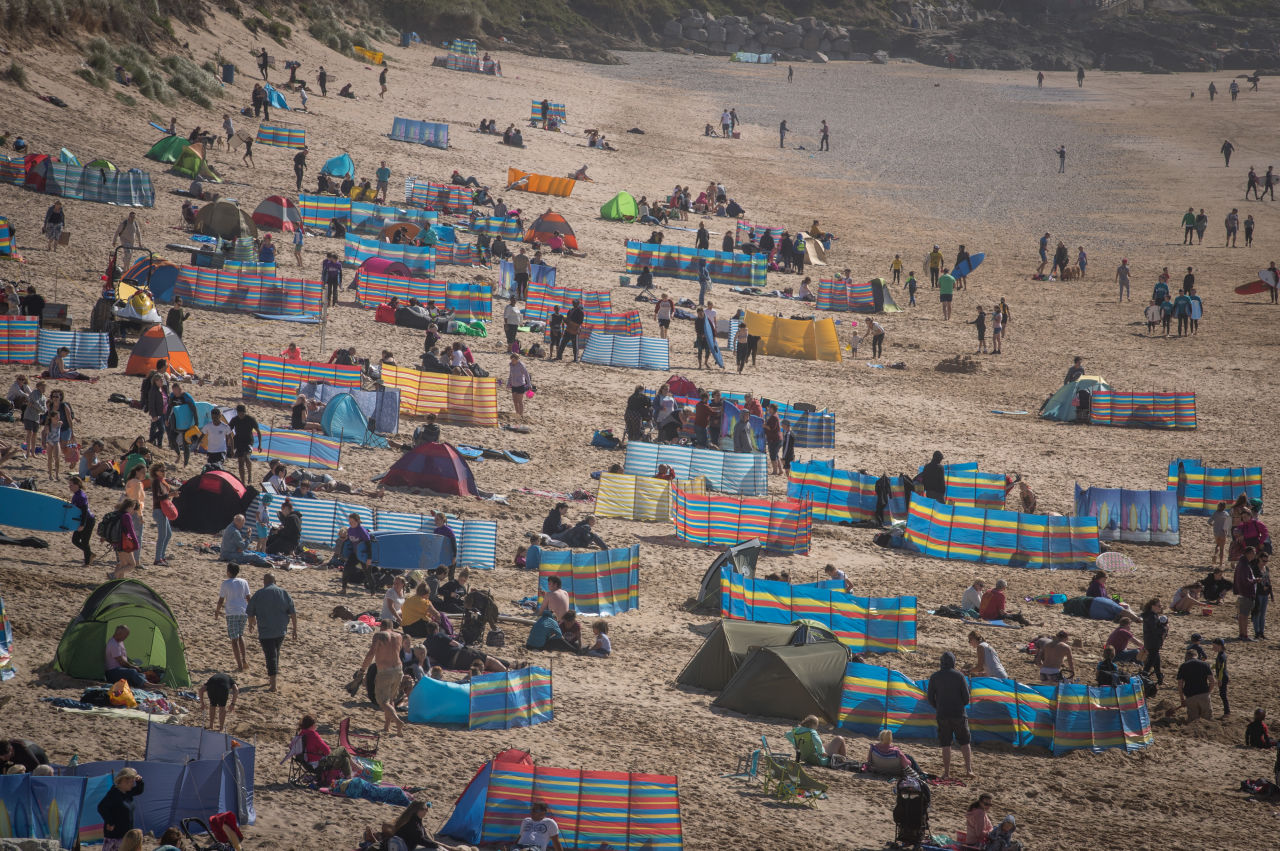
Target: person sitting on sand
452	656
1214	586
1186	598
1256	734
581	174
346	92
809	746
59	369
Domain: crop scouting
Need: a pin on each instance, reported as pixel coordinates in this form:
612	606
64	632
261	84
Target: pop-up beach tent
339	166
730	642
193	163
740	558
789	682
168	149
275	212
1061	406
620	208
153	633
158	343
435	466
344	420
208	502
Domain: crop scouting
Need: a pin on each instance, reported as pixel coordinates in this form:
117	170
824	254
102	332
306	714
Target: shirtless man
384	654
557	599
1055	660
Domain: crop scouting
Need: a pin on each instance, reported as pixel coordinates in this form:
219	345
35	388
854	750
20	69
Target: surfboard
1269	278
1252	288
41	512
967	267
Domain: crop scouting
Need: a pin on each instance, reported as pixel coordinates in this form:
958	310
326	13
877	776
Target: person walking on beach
384	656
382	82
704	281
300	165
946	287
824	144
1227	150
1122	279
1080	77
1234	88
1269	181
323	79
272	614
234	594
331	274
1233	225
1248	231
948	694
1213	91
1039	79
980	321
791	73
782	134
726	124
263	62
383	176
128	236
1062	159
733	119
1188	225
1202	224
248	152
1251	185
1044	253
935	264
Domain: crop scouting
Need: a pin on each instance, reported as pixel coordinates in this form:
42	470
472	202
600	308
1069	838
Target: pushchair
910	813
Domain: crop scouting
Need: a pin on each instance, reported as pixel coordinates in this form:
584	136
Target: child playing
1152	314
219	687
603	647
1221	525
522	558
911	288
1256	735
1220	673
897	268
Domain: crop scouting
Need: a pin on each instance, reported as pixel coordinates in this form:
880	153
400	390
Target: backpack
496	638
111	527
472	629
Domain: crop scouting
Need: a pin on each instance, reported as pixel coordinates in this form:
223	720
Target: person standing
331	274
876	332
782	133
1233	226
773	438
382	82
300	165
1251	185
933	479
824	142
1213	91
1264	595
384	656
1220	673
263	62
1122	279
1245	585
234	595
272	614
55	220
229	128
980	321
896	268
704	280
791	73
243	429
128	236
948	694
511	324
1248	231
702	240
1080	77
116	808
962	281
83	534
1044	252
935	262
161	508
323	79
911	286
663	311
1269	181
1234	88
1202	224
572	325
997	330
247	159
1082	259
1155	626
946	287
297	244
1039	79
1188	226
1195	684
383	176
520	382
1227	149
1062	159
726	124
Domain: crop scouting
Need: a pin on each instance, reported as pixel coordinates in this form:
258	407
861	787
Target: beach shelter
191	163
344	420
731	642
208	502
102	165
434	466
158	342
741	558
789	682
6	237
277	212
168	149
339	166
37	171
400	233
548	224
274	97
224	219
620	208
1061	406
383	266
156	274
153	633
67	158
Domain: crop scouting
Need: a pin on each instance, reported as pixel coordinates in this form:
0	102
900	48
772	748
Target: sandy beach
920	156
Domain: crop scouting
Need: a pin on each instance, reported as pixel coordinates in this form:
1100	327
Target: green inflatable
621	208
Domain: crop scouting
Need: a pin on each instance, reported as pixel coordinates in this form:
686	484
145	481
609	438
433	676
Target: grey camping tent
727	647
741	558
789	682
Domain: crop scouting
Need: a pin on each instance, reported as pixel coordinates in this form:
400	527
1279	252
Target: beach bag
495	638
168	509
111	527
122	695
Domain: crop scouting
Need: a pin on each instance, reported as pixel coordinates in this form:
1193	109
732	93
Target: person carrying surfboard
961	268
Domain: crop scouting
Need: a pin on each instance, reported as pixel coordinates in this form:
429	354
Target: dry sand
922	156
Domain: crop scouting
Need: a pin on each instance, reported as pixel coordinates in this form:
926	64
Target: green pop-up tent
168	149
727	647
153	633
193	163
621	208
789	682
1062	405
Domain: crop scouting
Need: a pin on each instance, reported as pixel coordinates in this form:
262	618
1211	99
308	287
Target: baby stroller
910	813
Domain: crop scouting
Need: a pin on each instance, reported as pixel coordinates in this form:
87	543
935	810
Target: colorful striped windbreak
300	449
468	301
1144	410
439	196
593	809
727	472
1001	537
538	274
7	670
967	487
461	399
674	261
541	298
458	254
627	352
510	699
130	188
89	350
1201	488
713	519
282	136
1149	517
421	259
834	294
598	583
18	338
841	496
368	217
267	378
250	288
864	624
639	497
746	231
506	227
430	133
1061	718
557	111
13	170
318	210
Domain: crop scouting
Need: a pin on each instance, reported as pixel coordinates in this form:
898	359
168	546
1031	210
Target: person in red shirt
1120	638
773	439
993	602
701	421
752	404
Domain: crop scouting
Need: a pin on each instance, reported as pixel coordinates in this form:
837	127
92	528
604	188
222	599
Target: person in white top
539	831
234	596
972	598
834	572
116	661
215	432
710	312
988	663
393	601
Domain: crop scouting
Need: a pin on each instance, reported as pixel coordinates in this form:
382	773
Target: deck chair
807	749
357	744
772	770
797	785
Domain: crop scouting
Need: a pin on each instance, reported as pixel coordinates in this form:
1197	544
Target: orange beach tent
159	343
546	225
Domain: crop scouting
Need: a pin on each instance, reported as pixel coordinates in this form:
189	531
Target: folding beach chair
368	742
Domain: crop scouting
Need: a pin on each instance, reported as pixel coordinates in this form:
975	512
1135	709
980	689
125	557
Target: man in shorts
234	595
384	655
948	694
946	287
1055	659
664	310
219	687
383	176
243	429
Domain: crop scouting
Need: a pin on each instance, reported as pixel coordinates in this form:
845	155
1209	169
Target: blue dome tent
344	420
340	166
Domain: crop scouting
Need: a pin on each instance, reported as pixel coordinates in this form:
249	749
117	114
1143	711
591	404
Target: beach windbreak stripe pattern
506	227
248	288
627	352
1200	488
89	350
429	133
461	399
745	232
970	488
13	170
382	406
841	496
282	136
7	670
863	624
811	429
542	297
598	583
638	497
538	274
835	295
440	196
318	210
1176	410
267	378
510	699
365	216
727	472
557	112
541	184
674	261
420	259
1001	537
130	188
458	254
593	809
1149	517
19	338
1060	717
713	519
468	301
300	449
